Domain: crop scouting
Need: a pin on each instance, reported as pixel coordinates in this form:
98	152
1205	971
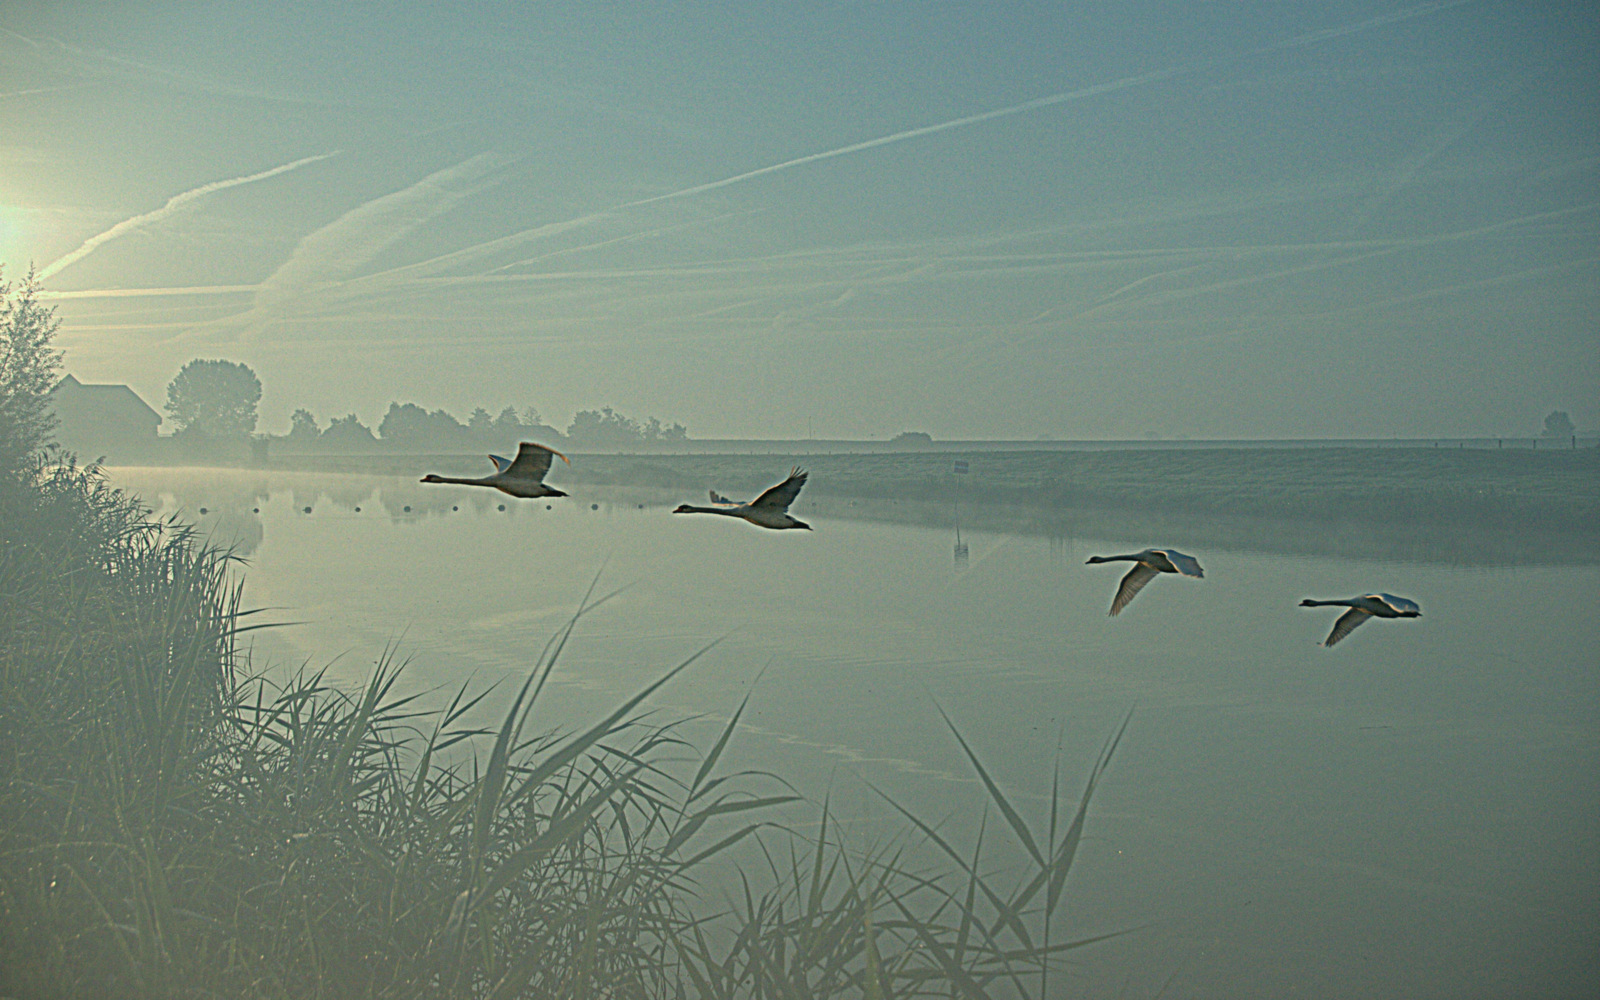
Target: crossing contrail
1153	76
1310	38
330	254
173	204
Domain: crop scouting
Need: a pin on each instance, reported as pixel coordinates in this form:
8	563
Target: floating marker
257	510
305	510
454	507
594	506
408	508
202	510
548	507
502	506
358	510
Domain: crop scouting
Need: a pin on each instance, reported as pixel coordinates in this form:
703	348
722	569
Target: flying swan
769	510
523	477
1146	565
1362	610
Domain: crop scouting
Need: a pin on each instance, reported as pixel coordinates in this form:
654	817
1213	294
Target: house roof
106	396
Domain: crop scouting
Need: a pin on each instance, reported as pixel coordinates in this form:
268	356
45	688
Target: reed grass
172	825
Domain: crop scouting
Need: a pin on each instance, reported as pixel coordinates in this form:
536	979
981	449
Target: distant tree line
411	427
213	403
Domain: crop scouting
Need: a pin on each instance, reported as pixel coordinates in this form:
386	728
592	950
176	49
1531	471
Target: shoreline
1474	508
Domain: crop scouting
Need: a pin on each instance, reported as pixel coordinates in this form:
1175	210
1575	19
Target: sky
1236	219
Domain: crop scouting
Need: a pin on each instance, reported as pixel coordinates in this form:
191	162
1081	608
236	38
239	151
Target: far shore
1479	506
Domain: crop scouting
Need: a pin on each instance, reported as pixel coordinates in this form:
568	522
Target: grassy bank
173	825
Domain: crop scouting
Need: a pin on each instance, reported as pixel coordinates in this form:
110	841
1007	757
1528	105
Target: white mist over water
1414	813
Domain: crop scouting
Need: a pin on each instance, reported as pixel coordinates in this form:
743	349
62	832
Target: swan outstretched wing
1131	585
501	463
1187	565
1347	623
782	495
718	498
533	461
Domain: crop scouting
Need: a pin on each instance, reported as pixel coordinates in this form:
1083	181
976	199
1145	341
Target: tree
214	398
403	422
507	424
28	370
302	426
604	426
408	423
1559	425
348	432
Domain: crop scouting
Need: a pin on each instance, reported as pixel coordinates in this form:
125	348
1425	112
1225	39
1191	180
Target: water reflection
963	554
1492	543
1334	820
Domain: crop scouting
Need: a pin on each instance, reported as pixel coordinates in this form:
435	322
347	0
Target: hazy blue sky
1219	219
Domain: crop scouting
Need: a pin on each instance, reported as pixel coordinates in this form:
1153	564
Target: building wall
109	421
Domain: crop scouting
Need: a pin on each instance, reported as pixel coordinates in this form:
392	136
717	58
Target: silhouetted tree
348	432
27	371
302	426
214	398
410	424
506	424
480	423
606	427
1558	425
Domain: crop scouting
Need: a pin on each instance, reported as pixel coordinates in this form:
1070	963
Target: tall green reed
173	825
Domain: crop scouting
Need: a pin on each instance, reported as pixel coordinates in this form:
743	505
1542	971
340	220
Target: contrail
328	255
144	293
36	90
1324	34
1153	76
1441	139
556	228
97	62
21	38
913	133
173	204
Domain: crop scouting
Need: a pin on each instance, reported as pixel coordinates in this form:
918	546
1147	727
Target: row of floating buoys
406	509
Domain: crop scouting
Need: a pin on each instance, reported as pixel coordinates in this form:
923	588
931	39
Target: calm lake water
1414	813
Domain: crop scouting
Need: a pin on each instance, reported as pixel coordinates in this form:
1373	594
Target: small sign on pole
961	466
